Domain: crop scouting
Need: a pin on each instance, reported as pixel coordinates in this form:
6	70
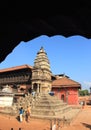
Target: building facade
66	89
27	78
39	78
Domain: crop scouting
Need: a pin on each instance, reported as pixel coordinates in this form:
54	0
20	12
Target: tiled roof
65	82
15	68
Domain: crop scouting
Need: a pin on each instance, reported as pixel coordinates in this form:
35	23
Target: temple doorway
62	97
35	87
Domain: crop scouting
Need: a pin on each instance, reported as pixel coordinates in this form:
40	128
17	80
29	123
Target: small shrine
66	89
6	97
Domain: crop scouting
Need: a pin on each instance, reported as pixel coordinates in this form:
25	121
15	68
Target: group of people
24	114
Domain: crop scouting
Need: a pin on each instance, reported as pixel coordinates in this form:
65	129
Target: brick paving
81	122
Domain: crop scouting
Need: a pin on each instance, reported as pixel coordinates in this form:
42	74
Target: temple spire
41	60
41	74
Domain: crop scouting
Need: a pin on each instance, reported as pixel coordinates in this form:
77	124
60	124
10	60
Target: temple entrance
35	87
62	97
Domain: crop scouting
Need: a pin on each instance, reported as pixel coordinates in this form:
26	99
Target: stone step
69	115
51	111
48	96
50	105
49	102
51	98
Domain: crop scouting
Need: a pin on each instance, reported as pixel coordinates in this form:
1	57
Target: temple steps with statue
50	107
43	106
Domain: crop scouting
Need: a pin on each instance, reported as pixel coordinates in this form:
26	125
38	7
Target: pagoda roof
65	82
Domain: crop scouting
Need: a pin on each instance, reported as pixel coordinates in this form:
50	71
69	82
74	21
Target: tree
83	92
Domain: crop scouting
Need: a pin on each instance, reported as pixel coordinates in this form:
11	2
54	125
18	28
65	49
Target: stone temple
26	79
41	73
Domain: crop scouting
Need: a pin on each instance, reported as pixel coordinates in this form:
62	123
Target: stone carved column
37	88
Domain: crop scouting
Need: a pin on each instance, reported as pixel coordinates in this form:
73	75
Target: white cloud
87	83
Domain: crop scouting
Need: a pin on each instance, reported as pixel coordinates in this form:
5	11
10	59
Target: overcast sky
71	56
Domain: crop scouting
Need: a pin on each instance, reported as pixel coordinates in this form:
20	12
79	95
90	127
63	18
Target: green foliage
83	92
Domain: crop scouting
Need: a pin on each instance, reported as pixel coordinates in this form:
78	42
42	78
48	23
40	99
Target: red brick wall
73	96
69	95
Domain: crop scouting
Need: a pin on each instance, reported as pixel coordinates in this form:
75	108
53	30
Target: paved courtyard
81	122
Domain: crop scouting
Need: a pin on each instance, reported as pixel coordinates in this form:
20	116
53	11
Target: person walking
24	115
28	112
21	111
54	127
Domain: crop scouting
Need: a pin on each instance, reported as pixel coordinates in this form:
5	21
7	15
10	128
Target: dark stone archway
35	87
27	20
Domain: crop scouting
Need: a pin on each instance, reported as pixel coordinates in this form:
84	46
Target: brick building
66	89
